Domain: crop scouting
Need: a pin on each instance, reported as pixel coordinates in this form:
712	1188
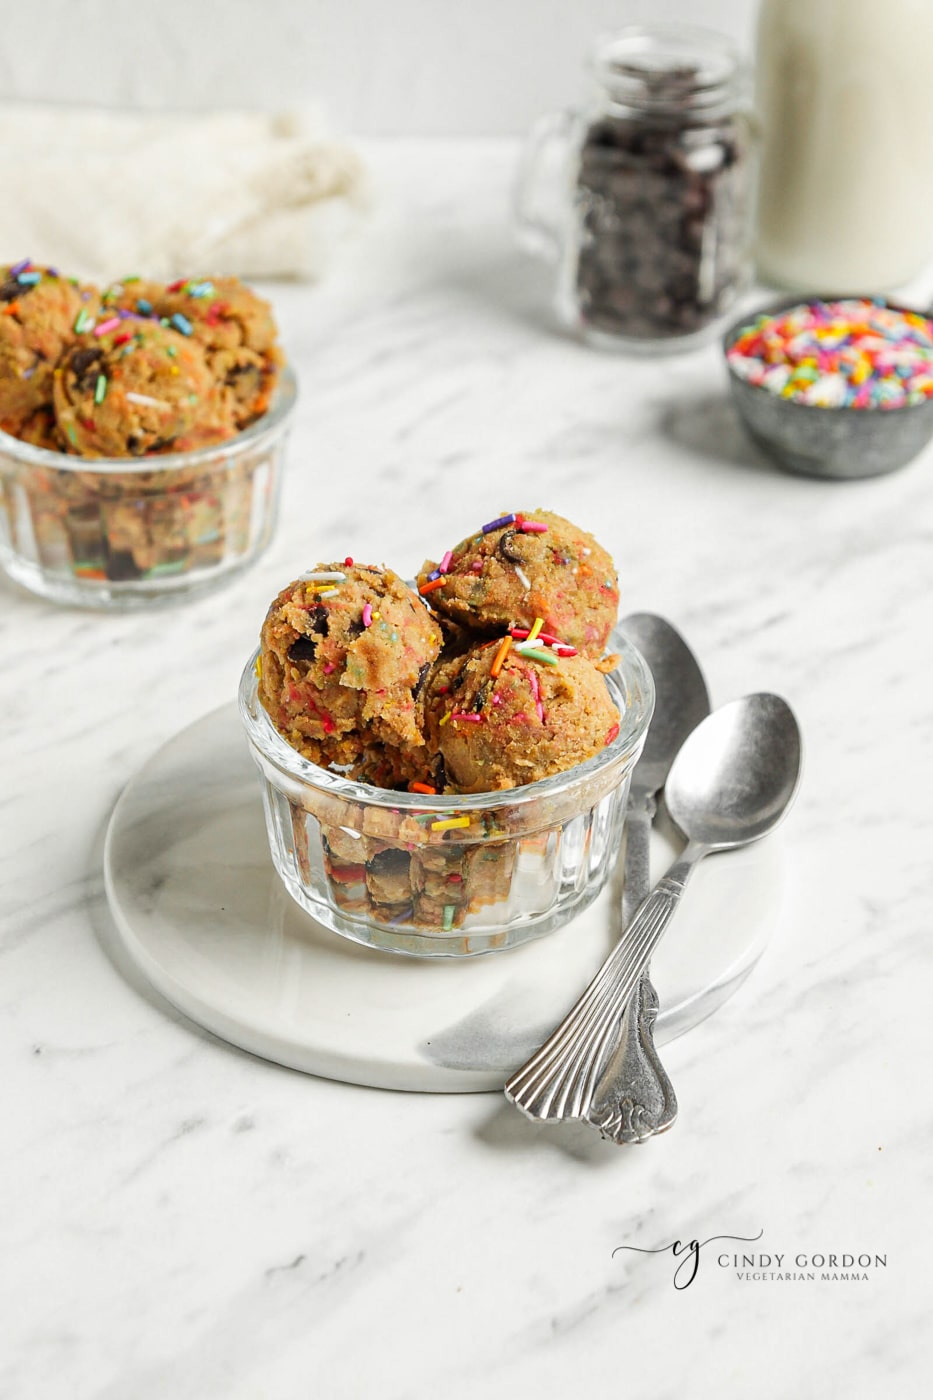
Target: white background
409	67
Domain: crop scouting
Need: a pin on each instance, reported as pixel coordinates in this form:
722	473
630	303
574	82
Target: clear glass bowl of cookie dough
448	876
118	533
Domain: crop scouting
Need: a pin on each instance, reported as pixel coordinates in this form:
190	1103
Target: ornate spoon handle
560	1079
634	1098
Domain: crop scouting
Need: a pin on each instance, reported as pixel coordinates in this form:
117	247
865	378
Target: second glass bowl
125	532
448	876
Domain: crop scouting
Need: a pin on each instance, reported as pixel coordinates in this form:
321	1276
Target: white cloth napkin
104	194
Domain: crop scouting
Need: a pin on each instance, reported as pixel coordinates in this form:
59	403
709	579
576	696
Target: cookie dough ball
136	389
38	313
233	325
346	651
531	564
527	722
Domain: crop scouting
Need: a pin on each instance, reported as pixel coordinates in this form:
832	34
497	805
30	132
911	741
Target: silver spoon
731	783
634	1098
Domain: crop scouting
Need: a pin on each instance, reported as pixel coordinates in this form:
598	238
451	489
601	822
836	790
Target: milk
845	97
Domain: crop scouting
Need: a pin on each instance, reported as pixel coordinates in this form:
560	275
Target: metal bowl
834	443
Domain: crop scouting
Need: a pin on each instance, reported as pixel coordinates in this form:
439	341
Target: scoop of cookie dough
346	651
523	566
527	722
137	388
234	326
38	313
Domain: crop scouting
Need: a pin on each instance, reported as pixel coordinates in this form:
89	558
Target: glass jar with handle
644	197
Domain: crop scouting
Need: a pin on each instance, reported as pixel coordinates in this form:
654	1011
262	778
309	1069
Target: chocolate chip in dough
303	649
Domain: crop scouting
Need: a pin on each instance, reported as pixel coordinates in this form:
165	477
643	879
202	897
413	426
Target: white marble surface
180	1220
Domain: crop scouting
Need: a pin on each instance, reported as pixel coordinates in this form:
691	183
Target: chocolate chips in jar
663	210
655	246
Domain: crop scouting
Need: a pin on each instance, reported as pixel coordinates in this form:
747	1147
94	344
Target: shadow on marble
505	1129
708	427
510	283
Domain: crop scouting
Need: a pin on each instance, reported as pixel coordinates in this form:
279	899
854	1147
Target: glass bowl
448	876
117	532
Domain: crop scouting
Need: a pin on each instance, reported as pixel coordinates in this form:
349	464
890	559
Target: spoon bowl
736	774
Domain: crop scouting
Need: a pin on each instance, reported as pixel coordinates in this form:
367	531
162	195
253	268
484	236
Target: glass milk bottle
845	98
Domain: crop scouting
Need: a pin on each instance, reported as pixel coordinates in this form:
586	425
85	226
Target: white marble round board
201	912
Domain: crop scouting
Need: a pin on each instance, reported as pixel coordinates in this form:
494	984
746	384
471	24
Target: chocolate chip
481	696
506	550
122	567
391	861
86	365
422	677
318	621
11	289
303	649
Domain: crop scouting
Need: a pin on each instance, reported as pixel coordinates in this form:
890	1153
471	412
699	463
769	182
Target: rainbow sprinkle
146	400
109	325
521	634
852	353
536	692
536	654
500	656
498	524
449	823
100	388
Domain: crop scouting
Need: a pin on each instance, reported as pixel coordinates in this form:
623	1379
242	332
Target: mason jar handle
539	217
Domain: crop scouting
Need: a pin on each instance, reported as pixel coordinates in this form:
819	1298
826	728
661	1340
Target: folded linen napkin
105	193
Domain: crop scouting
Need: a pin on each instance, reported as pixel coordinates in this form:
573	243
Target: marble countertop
180	1219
